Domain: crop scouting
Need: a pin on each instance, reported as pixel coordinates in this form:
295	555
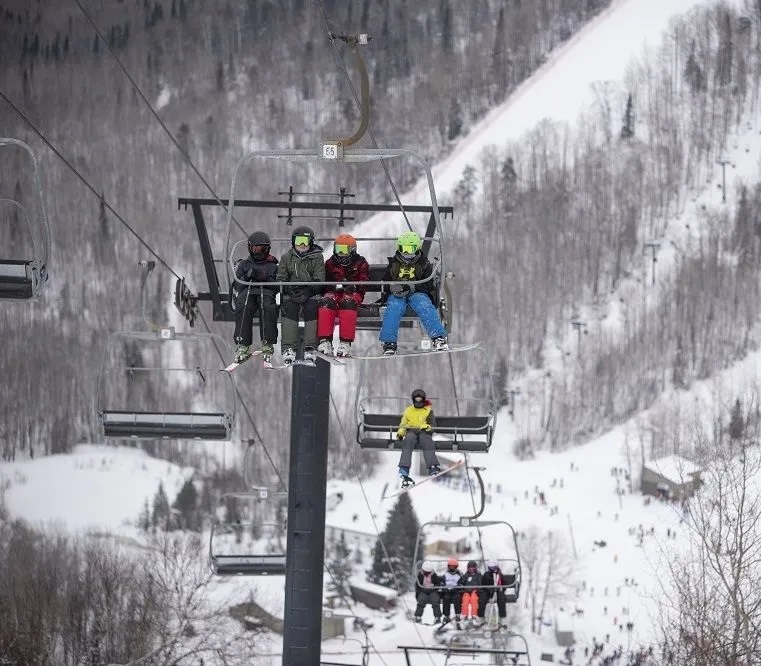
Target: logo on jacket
407	272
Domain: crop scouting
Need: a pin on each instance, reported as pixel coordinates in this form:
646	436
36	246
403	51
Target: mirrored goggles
342	249
408	249
259	249
301	240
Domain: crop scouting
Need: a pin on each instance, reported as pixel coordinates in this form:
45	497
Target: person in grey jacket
303	262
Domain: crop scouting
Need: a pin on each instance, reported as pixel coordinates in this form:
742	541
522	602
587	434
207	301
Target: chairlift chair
178	417
463	422
23	273
493	537
319	206
227	557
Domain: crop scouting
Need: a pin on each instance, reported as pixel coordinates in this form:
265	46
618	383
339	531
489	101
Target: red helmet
452	562
344	246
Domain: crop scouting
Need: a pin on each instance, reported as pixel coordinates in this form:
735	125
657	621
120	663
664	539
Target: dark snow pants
425	440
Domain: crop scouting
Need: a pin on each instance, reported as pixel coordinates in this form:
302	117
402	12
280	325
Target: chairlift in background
161	384
142	393
461	650
466	539
23	264
463	422
252	543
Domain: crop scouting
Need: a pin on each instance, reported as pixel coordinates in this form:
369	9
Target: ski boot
407	481
389	348
439	344
433	470
457	622
267	351
310	355
289	356
242	353
325	347
344	349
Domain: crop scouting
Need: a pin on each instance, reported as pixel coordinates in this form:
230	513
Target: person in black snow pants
451	592
248	300
426	586
494	582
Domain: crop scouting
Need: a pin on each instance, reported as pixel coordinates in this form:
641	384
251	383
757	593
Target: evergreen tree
144	520
500	383
186	506
399	537
161	512
455	123
340	568
736	421
627	131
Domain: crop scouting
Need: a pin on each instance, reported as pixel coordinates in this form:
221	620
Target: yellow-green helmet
408	246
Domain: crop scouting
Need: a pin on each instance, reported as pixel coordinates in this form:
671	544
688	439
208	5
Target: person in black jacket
248	300
427	593
494	582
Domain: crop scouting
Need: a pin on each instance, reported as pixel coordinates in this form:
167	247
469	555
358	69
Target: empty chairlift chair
142	395
251	540
24	228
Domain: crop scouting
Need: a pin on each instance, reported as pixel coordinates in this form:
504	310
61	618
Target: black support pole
305	550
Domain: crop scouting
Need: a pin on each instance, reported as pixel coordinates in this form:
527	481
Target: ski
236	364
298	361
333	360
417	352
423	480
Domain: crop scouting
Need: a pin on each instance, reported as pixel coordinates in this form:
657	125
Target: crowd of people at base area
603	655
467	593
319	306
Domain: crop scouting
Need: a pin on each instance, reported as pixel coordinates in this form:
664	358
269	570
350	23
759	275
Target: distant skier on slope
416	427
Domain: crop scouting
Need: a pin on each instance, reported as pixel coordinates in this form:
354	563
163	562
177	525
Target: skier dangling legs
410	264
342	301
302	263
416	427
259	266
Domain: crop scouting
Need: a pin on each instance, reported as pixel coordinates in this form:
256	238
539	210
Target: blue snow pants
423	307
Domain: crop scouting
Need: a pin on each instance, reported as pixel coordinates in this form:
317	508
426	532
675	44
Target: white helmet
427	566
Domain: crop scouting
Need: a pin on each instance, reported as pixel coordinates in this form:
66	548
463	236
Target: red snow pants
470	604
336	304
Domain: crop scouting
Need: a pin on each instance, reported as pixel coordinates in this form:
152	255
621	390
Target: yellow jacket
417	418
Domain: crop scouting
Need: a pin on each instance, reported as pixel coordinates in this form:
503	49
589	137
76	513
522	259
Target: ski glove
399	289
299	294
400	434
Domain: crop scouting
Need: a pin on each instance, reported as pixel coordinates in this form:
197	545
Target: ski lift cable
155	114
386	556
146	245
359	105
84	181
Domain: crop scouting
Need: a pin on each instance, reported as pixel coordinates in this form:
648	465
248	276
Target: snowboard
423	480
417	352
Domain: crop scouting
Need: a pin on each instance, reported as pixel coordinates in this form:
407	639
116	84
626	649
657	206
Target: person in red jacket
343	300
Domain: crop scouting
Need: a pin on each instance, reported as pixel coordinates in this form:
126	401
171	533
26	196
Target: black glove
298	294
349	289
399	289
399	435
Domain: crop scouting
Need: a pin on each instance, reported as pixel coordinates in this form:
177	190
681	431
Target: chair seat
166	425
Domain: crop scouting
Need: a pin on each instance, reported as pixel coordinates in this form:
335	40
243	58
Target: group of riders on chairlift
468	593
320	306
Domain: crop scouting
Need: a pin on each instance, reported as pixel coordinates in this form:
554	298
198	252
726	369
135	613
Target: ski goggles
259	249
408	249
342	249
301	240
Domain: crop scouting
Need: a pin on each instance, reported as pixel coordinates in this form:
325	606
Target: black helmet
259	245
418	395
303	232
472	564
